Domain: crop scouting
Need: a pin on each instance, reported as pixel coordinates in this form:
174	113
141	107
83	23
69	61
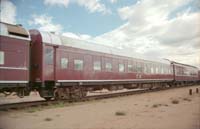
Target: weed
120	113
155	105
175	101
187	99
48	119
34	109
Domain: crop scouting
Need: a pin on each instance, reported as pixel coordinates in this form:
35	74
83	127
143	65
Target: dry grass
187	99
158	105
33	109
155	105
48	119
120	113
175	101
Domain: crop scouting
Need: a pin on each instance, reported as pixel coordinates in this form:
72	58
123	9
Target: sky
165	29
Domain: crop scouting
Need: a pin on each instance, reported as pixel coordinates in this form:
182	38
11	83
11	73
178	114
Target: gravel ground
171	109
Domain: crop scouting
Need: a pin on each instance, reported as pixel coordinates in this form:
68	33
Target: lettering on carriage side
1	57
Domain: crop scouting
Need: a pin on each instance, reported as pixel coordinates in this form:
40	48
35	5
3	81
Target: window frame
132	69
61	63
2	58
97	66
108	69
119	69
79	62
49	59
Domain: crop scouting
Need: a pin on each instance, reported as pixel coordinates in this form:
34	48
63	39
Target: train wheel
61	93
20	93
76	93
83	92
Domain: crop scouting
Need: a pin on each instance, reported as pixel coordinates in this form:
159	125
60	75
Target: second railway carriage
69	64
185	73
14	58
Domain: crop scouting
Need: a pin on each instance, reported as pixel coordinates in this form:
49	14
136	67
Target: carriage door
49	64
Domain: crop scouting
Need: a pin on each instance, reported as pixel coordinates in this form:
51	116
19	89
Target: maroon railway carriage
14	58
63	67
65	64
185	73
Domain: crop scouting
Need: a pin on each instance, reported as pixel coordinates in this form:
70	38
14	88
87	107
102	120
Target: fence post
190	91
197	90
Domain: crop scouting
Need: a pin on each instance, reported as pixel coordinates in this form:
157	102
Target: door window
49	56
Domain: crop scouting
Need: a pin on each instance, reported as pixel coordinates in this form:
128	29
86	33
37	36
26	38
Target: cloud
91	5
45	23
77	36
57	2
153	30
113	1
7	12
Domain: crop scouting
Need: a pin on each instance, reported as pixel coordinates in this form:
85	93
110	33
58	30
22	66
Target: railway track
23	105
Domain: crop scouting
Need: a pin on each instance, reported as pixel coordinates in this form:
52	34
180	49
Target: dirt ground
171	109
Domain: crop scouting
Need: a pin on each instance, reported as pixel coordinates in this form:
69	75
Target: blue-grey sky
152	28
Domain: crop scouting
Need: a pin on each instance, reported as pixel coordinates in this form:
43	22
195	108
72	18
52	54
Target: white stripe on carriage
15	68
13	81
114	80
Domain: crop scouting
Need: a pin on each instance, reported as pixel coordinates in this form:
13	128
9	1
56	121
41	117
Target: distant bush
187	99
158	105
120	113
155	105
48	119
175	101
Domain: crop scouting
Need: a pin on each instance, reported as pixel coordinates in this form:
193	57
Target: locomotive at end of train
61	67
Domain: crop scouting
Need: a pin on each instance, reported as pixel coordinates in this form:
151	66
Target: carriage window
157	70
145	68
1	58
49	56
139	67
78	64
169	71
108	67
97	66
134	67
64	63
165	70
121	68
130	68
162	70
148	68
152	70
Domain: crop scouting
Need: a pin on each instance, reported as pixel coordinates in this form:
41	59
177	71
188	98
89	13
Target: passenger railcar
66	68
14	58
185	73
71	63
